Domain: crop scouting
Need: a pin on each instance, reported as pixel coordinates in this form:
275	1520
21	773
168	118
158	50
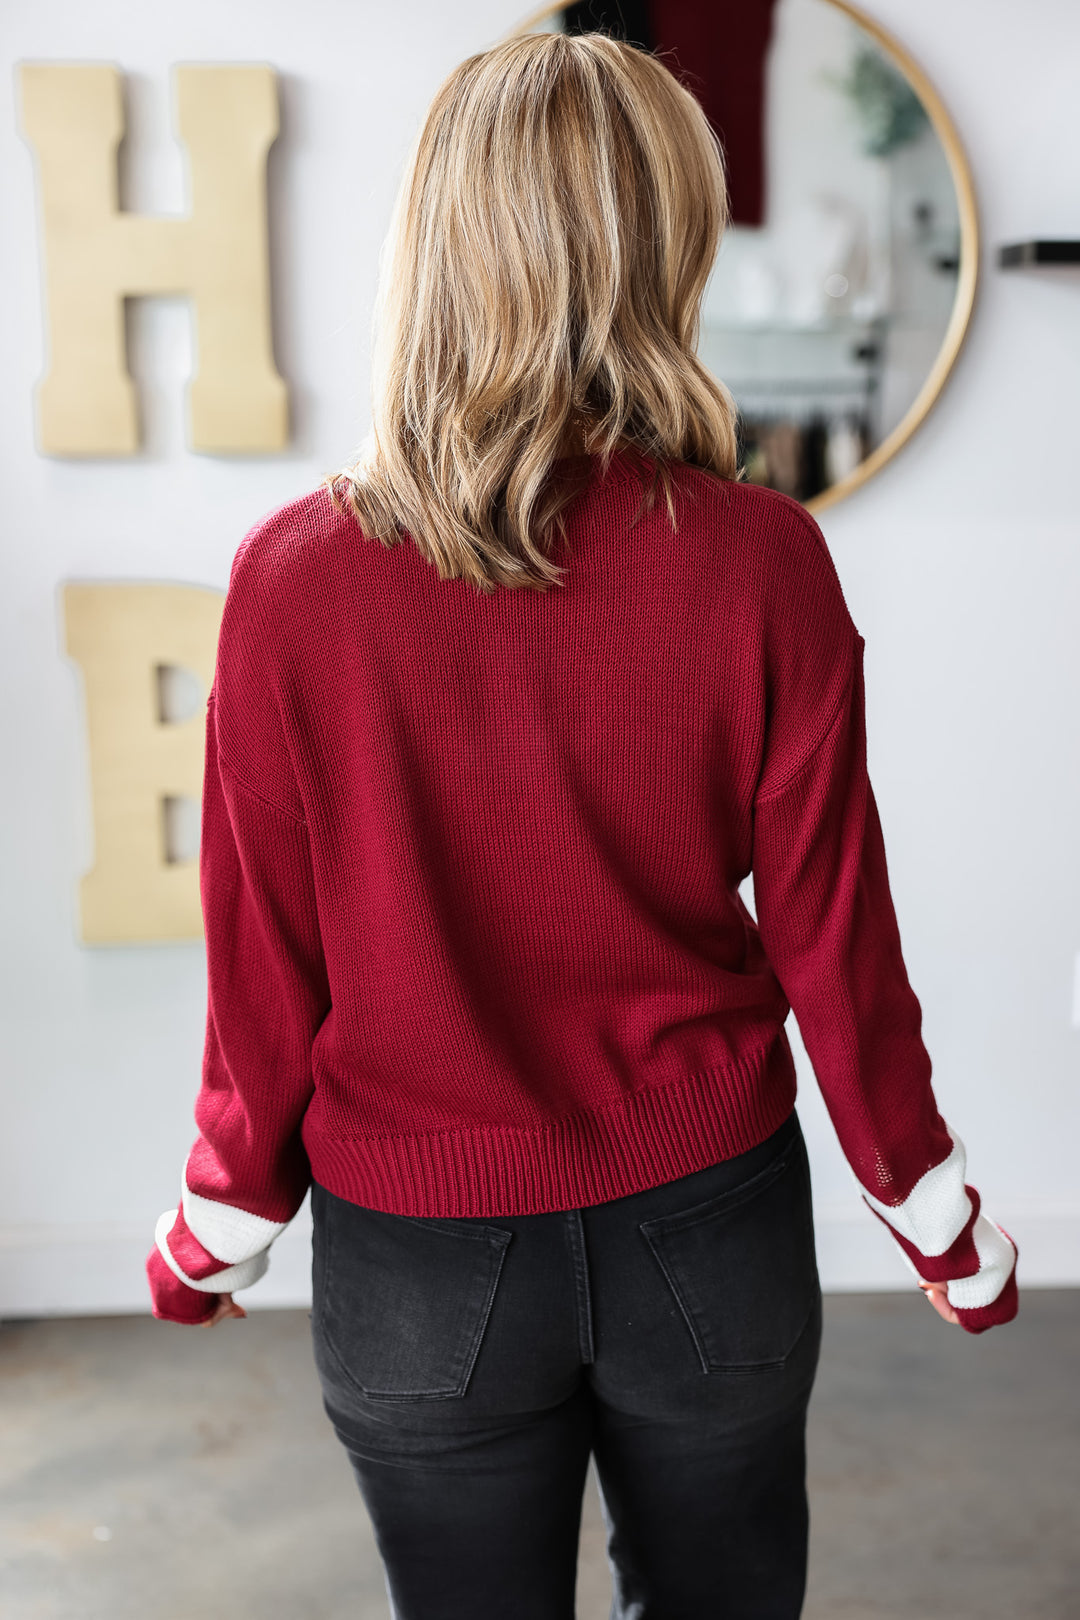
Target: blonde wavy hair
554	231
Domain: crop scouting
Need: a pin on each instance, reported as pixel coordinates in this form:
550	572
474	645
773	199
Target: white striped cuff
996	1260
231	1233
937	1208
221	1282
932	1217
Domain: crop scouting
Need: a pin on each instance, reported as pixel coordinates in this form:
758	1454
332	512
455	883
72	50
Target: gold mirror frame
969	249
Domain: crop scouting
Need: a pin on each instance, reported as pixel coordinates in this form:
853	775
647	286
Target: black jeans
469	1367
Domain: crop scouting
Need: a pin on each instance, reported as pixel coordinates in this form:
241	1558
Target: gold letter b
95	256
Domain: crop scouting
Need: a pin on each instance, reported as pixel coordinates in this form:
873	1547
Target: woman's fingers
938	1296
226	1306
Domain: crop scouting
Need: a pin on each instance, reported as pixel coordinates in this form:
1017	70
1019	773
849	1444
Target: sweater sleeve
827	922
247	1172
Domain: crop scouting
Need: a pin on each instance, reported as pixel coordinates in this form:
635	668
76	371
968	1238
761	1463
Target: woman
474	824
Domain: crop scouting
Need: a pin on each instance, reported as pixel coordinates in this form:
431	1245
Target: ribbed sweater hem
657	1135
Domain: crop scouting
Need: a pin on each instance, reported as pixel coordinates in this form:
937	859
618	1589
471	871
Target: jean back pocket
400	1302
742	1266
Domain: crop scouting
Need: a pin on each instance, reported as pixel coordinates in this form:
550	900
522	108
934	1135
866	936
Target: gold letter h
95	256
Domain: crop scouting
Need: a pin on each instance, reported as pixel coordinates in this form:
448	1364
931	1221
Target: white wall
960	562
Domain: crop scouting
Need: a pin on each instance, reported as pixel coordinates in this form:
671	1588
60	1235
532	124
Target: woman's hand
226	1306
936	1293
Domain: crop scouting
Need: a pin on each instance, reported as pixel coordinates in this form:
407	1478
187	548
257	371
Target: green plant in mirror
887	109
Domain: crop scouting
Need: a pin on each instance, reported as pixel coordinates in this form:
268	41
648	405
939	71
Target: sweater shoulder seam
222	757
256	793
841	703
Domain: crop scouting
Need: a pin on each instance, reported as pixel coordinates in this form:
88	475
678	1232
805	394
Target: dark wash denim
470	1366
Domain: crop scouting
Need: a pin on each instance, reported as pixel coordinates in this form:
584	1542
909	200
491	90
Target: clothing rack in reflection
802	440
798	397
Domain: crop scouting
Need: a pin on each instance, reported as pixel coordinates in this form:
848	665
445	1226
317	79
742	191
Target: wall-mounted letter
95	256
130	641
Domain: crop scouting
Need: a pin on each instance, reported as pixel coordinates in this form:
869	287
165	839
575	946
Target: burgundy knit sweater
470	868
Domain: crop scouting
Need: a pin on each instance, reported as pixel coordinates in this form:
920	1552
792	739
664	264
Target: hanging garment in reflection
814	450
783	445
719	51
845	449
802	457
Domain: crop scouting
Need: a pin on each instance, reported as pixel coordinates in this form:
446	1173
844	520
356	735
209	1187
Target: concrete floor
154	1473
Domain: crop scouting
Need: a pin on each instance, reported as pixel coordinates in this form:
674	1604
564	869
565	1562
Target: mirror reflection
837	301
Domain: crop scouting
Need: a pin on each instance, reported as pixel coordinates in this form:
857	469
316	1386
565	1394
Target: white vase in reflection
829	259
759	288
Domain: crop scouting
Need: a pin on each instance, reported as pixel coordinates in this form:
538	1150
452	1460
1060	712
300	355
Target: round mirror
845	279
